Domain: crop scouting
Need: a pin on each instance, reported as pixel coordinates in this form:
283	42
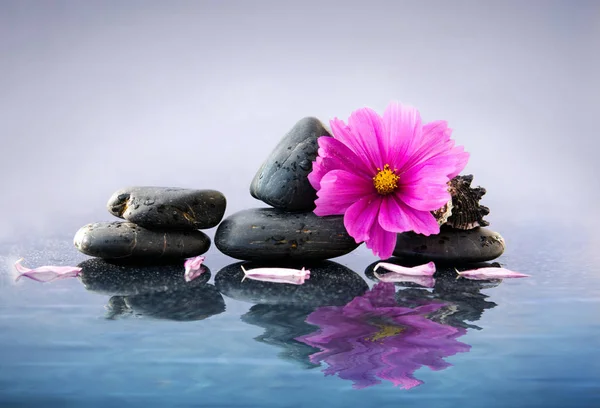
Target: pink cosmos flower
373	338
385	174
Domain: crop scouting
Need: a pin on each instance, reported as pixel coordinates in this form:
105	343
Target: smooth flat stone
267	234
282	179
98	275
330	284
450	246
125	240
464	302
197	303
168	207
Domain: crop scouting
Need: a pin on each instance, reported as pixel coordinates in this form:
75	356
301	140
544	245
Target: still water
532	342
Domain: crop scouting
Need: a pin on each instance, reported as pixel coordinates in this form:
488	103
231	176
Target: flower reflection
372	338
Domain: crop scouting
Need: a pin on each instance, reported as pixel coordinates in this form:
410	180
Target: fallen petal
490	273
277	275
427	269
46	273
193	268
425	281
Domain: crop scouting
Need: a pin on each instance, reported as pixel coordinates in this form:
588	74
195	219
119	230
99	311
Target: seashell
467	213
442	214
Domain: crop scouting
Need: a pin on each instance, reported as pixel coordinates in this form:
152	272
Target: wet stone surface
197	303
282	179
99	275
168	207
450	246
268	234
127	241
329	284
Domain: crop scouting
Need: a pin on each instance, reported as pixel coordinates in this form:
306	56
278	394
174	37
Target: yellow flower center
385	181
384	332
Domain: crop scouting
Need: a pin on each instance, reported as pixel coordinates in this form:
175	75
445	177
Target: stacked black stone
290	230
161	223
462	238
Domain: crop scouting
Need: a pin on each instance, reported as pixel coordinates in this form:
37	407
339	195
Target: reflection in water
157	291
373	338
98	275
330	284
463	298
196	303
282	324
282	309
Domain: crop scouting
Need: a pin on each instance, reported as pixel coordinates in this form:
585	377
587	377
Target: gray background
96	95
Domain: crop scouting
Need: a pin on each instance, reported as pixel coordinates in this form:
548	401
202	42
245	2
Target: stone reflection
463	298
282	324
196	303
330	284
155	291
98	275
282	309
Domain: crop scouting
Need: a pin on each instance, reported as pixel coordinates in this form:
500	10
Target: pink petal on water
193	268
490	273
46	273
425	281
427	269
277	275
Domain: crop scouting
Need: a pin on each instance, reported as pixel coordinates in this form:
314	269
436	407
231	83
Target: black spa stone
195	303
126	241
102	276
168	207
282	179
269	234
450	246
330	284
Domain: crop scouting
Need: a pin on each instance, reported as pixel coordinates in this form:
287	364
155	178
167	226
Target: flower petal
193	268
46	273
368	127
392	218
425	281
427	269
277	275
360	217
381	242
339	190
402	133
428	195
348	137
399	217
334	155
491	273
437	149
